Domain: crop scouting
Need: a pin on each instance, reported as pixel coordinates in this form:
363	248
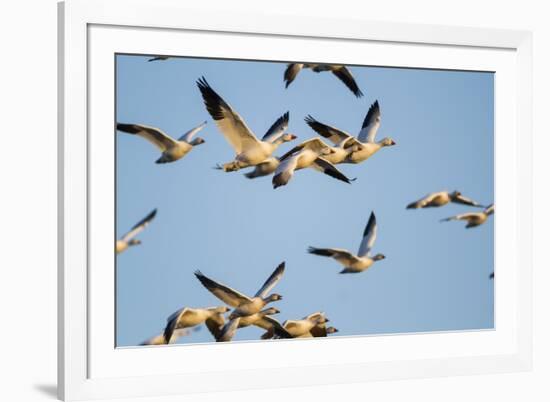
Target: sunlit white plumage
171	149
244	305
248	149
441	198
188	317
473	219
355	263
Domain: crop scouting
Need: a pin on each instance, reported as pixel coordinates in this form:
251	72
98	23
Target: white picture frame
90	32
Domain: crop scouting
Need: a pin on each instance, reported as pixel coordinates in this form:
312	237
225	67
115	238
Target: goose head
270	311
331	330
387	142
220	310
273	297
288	137
197	141
134	242
455	194
379	257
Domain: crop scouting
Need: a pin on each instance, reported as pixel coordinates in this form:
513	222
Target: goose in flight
310	153
248	149
298	328
178	333
358	149
473	219
244	305
442	198
339	71
129	238
159	58
188	317
355	263
171	149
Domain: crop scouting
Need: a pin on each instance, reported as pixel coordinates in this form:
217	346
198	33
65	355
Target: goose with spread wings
358	149
129	239
171	149
473	219
188	317
177	334
298	328
355	263
440	198
244	305
340	71
310	153
248	149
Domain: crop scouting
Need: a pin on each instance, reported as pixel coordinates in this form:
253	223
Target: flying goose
171	149
341	150
229	330
358	149
303	328
244	305
340	71
178	333
355	263
473	218
157	58
128	239
188	317
310	153
248	149
257	318
442	198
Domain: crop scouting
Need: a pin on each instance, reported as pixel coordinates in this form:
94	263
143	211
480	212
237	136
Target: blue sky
235	230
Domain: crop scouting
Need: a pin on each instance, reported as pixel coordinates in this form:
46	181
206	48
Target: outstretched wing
140	226
222	292
330	133
345	76
277	129
171	324
154	135
315	144
369	236
291	72
232	126
215	325
371	124
270	283
460	199
328	168
342	256
188	136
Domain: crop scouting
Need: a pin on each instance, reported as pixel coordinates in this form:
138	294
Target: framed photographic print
319	202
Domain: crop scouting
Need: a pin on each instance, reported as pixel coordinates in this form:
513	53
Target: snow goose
188	317
442	198
310	153
355	263
128	239
159	58
249	150
358	149
178	333
340	71
171	149
298	328
473	219
244	305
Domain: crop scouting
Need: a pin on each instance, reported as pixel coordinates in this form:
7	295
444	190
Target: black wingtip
370	224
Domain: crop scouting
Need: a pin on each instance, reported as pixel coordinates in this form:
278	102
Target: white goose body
355	263
244	305
473	219
311	153
249	151
172	150
188	317
357	149
438	199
